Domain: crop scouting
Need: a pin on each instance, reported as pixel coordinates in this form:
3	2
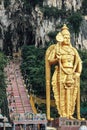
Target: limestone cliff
26	22
68	4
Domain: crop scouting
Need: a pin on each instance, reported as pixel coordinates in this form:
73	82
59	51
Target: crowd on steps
18	98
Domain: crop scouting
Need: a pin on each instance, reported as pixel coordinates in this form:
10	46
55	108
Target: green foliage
53	12
41	108
6	3
75	20
84	7
33	66
27	8
28	4
84	109
8	46
3	101
50	12
3	62
83	80
52	36
84	71
36	2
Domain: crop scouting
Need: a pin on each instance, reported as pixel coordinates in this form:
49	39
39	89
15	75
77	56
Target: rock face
69	4
47	25
3	23
82	38
24	28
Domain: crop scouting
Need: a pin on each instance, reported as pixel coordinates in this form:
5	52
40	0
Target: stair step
16	82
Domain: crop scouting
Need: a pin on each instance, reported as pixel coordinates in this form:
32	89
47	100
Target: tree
83	84
33	66
75	20
3	97
84	7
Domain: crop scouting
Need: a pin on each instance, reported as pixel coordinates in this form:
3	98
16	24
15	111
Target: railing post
13	127
24	126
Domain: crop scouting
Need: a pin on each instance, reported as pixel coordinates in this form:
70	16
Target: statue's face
66	40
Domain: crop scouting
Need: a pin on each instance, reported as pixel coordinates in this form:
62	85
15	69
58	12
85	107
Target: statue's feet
82	119
50	119
63	115
72	118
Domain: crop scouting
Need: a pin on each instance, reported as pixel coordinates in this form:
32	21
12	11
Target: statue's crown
65	30
65	27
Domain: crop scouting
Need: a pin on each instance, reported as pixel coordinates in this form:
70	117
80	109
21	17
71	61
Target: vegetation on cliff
3	96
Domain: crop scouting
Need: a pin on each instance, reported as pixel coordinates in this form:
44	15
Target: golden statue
66	78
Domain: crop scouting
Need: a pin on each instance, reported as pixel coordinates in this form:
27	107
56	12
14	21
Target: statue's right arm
52	57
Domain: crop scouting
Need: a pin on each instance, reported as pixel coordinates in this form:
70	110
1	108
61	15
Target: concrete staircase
18	98
21	106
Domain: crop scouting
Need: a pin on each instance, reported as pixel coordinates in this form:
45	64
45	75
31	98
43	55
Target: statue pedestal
65	124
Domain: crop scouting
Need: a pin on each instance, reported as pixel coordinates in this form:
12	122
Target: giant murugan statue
66	77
